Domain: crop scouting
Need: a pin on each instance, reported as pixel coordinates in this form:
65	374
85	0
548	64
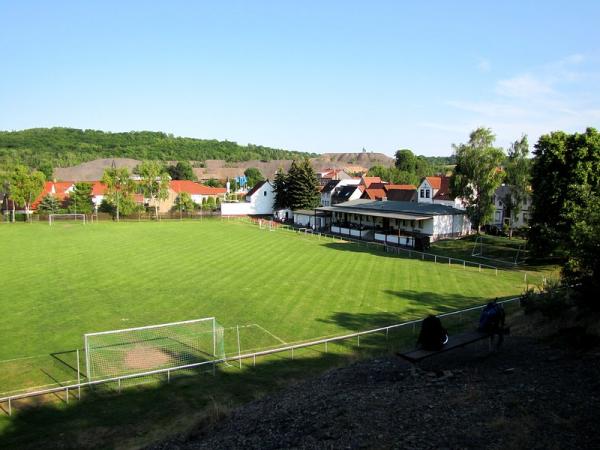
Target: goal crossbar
148	327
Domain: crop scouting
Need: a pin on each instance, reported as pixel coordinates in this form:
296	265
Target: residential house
346	193
333	186
58	189
501	214
401	192
260	200
328	175
436	190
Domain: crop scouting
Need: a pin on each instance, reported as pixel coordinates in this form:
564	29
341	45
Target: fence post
496	271
435	258
254	360
480	267
168	376
67	394
78	377
292	352
464	264
119	385
414	327
387	330
358	340
9	407
239	348
325	346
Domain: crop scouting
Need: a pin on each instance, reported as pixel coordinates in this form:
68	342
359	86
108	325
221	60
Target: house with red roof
58	189
197	191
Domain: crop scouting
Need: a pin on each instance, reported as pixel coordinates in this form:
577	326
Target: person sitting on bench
433	335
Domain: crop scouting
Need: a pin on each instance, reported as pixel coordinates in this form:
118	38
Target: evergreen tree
49	205
280	185
80	200
184	202
303	186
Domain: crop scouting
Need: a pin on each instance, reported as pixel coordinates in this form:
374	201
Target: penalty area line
268	332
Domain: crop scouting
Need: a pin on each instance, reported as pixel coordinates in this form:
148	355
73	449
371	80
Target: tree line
46	148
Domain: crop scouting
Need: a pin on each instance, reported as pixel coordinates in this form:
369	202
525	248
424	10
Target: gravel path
530	395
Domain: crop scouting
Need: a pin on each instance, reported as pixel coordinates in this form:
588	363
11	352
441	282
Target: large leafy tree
302	186
476	175
80	200
253	175
517	178
184	202
119	190
565	172
154	183
182	171
280	186
25	186
394	175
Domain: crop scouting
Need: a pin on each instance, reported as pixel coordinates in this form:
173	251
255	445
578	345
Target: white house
436	191
260	200
501	217
334	186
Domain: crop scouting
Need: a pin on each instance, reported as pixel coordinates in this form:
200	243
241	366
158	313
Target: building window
265	193
420	222
422	193
427	193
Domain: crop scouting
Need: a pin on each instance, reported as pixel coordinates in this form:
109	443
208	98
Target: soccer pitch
61	282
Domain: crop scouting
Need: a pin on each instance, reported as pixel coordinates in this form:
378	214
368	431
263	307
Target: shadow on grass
142	414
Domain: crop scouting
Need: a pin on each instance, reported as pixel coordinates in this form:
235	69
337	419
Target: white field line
268	332
24	357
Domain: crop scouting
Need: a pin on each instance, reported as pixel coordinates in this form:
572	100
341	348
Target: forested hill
63	147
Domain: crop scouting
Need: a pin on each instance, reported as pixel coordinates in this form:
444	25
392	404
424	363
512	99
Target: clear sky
322	76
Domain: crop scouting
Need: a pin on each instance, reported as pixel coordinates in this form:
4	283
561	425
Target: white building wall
422	189
263	200
237	209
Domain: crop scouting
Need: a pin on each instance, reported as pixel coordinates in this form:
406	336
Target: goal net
116	353
52	218
513	252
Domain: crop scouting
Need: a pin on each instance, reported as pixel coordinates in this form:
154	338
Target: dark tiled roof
256	187
399	207
330	186
344	193
402	195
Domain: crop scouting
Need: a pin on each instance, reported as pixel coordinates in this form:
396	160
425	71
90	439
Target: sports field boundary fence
392	249
68	390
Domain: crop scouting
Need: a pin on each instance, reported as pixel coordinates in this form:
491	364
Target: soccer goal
52	218
111	354
493	250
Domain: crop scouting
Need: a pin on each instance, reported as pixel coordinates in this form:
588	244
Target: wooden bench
457	341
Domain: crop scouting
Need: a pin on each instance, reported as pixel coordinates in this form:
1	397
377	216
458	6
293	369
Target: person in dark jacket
433	335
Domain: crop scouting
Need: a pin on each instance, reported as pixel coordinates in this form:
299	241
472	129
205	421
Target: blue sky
311	76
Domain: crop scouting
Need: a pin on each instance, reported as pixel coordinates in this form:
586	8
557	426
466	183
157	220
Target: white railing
387	248
239	357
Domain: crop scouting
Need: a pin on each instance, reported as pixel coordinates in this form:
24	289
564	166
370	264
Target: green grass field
63	281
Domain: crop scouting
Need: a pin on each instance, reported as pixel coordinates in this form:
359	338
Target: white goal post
110	354
54	217
497	252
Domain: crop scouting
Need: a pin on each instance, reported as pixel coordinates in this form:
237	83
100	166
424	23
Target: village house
503	217
436	190
260	200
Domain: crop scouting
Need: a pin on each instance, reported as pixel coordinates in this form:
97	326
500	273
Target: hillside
64	147
517	398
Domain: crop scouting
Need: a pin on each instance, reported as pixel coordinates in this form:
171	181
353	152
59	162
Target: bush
551	301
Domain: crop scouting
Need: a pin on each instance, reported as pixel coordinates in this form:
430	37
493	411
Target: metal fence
68	390
392	249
